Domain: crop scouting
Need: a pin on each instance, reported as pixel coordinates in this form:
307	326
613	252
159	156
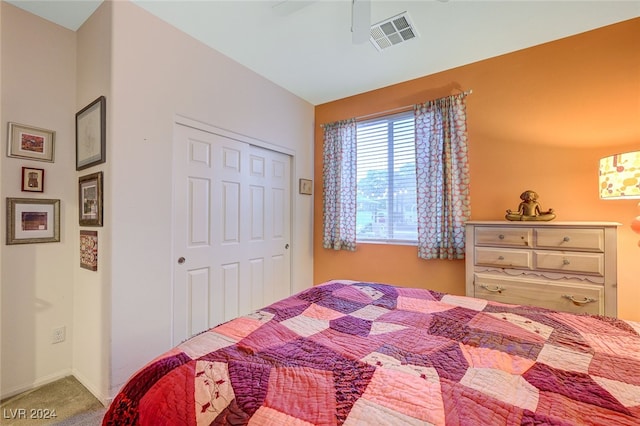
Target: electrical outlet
58	335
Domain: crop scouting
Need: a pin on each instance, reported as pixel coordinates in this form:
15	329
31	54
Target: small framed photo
90	199
91	133
30	142
32	220
32	179
306	186
89	250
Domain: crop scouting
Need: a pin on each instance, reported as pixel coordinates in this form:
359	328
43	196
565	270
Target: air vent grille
392	31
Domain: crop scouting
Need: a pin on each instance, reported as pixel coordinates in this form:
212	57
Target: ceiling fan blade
360	20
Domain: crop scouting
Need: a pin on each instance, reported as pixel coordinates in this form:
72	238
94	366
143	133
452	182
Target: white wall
159	72
118	318
92	301
37	88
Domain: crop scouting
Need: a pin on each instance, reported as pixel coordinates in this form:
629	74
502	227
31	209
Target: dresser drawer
494	236
582	263
577	298
503	258
570	239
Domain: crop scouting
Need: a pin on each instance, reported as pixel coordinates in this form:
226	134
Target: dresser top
530	223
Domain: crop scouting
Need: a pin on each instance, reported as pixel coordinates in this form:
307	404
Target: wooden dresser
565	266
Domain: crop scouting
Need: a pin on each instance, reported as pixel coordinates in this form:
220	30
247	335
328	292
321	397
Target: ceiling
309	51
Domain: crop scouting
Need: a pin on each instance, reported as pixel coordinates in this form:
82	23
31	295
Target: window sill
388	242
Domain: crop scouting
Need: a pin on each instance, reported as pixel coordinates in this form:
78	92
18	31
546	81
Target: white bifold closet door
232	210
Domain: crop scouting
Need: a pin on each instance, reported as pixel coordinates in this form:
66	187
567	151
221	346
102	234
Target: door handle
181	260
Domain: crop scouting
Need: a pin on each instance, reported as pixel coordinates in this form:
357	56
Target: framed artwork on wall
30	142
89	250
91	134
306	186
32	179
90	199
32	220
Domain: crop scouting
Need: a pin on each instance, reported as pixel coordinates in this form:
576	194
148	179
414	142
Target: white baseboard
104	399
36	383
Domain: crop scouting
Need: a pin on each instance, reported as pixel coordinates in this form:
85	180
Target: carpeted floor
64	402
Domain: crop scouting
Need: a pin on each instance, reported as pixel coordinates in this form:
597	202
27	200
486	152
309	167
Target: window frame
391	179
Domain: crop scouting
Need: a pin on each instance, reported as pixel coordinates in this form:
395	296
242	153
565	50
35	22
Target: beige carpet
71	403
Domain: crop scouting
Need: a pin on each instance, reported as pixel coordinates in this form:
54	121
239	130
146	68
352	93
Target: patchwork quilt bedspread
359	353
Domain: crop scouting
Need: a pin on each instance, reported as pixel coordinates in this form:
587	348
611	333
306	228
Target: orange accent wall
539	118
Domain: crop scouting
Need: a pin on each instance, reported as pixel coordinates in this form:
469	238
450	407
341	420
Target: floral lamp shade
620	176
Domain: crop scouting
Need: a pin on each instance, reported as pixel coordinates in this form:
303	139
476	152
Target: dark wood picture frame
32	179
91	125
90	199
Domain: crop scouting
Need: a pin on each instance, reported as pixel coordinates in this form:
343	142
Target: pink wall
91	297
38	89
159	72
539	119
119	317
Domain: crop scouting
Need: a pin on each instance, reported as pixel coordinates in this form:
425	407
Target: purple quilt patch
577	386
351	325
250	381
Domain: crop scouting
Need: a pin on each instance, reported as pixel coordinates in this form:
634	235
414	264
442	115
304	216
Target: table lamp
620	179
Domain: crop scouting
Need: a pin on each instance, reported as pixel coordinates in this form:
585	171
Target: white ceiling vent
392	31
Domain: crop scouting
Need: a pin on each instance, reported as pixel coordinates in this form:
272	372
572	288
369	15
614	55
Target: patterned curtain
442	174
339	187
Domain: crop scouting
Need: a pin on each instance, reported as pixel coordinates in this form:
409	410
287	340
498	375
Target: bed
363	353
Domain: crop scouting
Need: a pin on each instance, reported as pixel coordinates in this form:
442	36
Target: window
386	179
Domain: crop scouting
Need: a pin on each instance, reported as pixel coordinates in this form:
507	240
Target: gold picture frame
90	199
33	220
30	142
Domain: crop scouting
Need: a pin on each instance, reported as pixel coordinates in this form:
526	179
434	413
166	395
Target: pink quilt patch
239	327
411	395
306	393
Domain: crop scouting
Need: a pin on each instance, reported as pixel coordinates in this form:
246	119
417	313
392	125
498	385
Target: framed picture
89	250
32	179
30	142
91	127
90	199
32	220
306	186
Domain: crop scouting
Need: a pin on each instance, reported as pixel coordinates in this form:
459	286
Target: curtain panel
339	185
442	176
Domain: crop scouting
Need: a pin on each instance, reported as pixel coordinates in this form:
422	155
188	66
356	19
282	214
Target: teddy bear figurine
529	209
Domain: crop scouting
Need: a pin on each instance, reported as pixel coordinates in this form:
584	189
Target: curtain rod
398	109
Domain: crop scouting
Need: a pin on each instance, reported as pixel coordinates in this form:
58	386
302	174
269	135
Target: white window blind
386	179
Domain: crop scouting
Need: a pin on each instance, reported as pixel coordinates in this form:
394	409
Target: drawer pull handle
496	289
565	261
577	302
501	236
500	257
566	239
